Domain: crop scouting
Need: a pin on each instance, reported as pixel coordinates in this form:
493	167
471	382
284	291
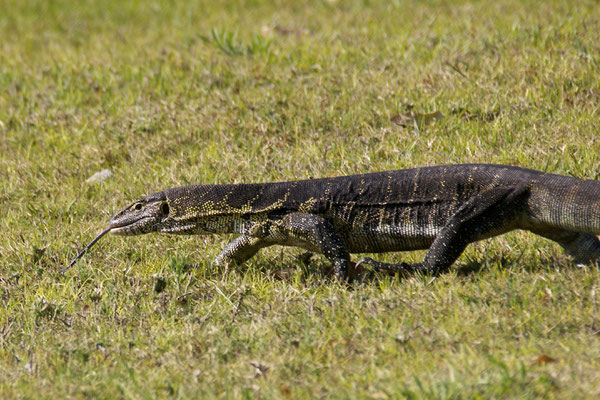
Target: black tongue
86	248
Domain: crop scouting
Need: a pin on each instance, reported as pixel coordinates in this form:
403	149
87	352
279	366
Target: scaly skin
440	208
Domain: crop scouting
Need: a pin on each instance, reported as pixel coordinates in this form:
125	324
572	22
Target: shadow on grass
470	268
309	270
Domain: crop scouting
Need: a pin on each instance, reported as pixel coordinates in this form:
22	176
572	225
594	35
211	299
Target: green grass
167	93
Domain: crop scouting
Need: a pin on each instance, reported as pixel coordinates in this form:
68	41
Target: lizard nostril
165	208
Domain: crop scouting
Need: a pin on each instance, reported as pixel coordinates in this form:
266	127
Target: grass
168	93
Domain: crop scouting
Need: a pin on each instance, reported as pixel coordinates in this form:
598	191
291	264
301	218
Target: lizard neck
215	209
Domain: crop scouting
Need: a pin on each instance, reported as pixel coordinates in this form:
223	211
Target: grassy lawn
168	93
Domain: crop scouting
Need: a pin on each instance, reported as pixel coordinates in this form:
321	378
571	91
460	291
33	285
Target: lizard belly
384	229
384	238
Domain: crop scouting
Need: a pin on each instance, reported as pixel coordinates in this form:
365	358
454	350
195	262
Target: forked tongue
86	248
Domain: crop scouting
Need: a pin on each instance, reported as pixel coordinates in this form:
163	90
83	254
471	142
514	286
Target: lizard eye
138	206
164	208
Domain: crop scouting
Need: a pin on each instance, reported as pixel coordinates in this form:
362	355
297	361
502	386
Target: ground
166	93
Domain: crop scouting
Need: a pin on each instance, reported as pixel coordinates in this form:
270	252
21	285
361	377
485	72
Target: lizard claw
355	271
364	260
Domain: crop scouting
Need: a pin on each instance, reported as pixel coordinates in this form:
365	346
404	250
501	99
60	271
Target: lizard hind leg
584	248
489	213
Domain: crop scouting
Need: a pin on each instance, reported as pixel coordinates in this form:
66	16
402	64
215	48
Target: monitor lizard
440	208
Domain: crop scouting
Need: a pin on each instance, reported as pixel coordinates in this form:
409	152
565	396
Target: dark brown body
441	208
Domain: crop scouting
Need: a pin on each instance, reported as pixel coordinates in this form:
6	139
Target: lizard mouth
136	227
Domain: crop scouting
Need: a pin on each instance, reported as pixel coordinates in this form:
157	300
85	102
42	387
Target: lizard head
142	216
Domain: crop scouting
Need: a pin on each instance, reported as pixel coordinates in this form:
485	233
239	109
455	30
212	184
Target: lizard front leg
239	250
297	229
314	233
